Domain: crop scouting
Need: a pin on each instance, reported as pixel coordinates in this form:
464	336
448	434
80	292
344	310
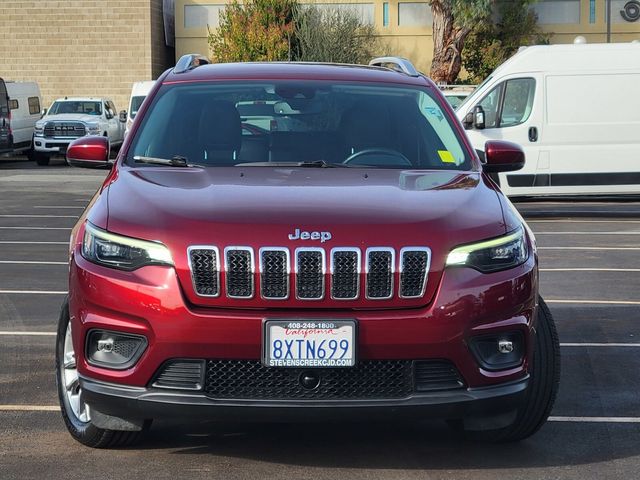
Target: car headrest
220	127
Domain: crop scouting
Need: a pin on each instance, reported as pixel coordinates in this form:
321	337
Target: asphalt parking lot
590	276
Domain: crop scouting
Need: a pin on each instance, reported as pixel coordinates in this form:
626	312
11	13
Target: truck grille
64	129
310	272
374	379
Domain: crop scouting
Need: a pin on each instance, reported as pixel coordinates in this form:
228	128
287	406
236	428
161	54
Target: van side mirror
501	156
467	121
89	152
123	116
478	117
44	112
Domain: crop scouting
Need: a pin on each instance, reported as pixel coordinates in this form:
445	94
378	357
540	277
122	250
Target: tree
335	35
256	30
491	43
453	20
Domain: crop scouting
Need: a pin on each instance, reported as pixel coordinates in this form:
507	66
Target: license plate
309	344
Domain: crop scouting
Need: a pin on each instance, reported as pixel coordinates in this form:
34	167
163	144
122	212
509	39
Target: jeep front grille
316	273
64	129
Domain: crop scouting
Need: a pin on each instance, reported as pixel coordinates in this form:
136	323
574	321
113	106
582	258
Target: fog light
498	351
114	349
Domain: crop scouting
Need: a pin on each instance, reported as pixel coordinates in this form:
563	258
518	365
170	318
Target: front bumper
52	145
147	403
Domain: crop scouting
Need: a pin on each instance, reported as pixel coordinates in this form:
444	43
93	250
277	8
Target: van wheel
541	392
75	413
42	159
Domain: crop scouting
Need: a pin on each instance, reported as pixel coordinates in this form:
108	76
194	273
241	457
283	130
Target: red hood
260	206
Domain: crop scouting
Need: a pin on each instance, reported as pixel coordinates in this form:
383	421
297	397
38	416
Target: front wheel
42	159
541	392
75	413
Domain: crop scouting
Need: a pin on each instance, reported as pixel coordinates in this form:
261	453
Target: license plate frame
307	325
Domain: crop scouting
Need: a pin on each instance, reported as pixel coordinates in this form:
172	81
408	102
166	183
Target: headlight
492	255
120	252
39	130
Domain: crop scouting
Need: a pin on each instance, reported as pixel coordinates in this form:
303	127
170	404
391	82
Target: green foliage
489	44
467	13
256	30
335	35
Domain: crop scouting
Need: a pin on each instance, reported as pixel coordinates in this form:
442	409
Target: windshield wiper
312	164
175	161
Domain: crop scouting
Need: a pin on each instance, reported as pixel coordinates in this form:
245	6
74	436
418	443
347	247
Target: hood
70	117
261	206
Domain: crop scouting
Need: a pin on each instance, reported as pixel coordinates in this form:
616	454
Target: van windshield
73	106
353	125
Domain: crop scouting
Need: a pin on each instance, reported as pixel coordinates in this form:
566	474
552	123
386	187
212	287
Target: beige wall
415	43
81	47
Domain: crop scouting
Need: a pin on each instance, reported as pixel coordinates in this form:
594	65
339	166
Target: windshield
354	125
135	105
473	95
72	106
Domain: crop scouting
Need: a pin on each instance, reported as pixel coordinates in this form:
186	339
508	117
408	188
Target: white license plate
308	344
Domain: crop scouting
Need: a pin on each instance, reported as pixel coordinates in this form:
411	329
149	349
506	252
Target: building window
414	14
34	105
199	16
557	12
385	14
592	11
364	11
13	104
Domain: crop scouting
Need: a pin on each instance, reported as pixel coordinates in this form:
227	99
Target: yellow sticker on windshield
446	156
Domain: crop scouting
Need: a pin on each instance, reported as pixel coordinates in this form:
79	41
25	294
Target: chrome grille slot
380	270
310	273
239	272
274	273
345	273
204	263
64	129
414	265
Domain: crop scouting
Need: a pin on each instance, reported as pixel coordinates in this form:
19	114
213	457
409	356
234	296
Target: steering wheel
389	152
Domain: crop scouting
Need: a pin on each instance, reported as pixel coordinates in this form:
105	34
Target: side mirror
467	121
89	152
478	117
123	116
44	112
502	156
108	113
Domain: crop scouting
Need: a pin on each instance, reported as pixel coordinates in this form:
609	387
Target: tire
81	429
541	392
42	159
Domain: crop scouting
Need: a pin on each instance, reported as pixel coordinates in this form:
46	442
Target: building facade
83	47
406	26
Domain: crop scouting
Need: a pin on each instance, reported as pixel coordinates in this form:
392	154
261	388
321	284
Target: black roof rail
189	62
398	64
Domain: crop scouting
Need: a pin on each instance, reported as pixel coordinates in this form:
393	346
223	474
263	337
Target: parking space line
38	216
35	228
594	302
27	334
30	262
29	408
33	292
10	242
590	269
600	344
58	206
588	248
587	233
596	419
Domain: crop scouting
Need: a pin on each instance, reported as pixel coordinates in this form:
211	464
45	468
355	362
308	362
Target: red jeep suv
341	254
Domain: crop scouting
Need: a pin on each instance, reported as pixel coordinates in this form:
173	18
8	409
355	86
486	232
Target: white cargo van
19	112
139	92
575	109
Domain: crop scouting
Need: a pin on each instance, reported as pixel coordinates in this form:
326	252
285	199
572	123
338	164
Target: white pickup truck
70	118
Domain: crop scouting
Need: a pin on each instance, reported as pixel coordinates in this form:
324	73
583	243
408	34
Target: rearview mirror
502	156
89	152
123	116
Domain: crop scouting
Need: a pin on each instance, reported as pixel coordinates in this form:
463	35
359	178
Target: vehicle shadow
422	445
